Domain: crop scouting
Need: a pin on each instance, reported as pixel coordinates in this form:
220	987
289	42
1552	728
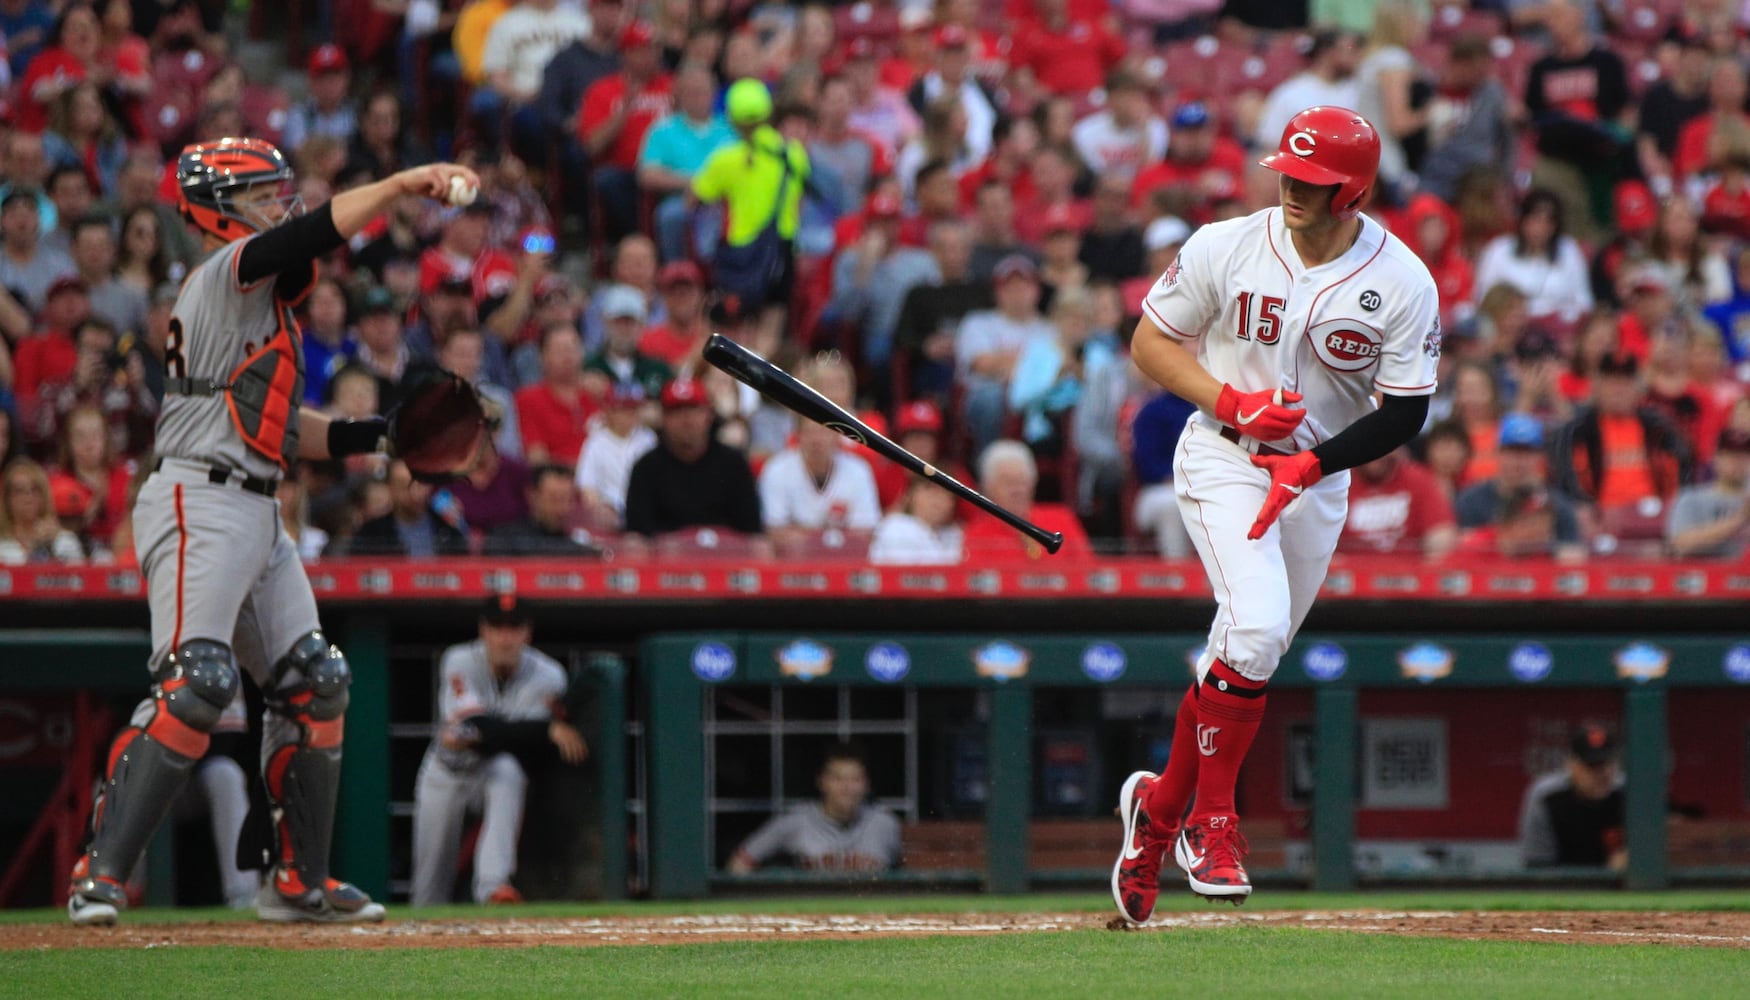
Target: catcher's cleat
1211	853
336	902
1136	874
505	895
95	902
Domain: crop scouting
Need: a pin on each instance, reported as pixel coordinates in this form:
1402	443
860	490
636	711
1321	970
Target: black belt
224	477
1263	449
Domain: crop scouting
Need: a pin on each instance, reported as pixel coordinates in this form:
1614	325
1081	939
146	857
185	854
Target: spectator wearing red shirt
918	429
48	355
990	51
1651	312
1726	92
1725	208
914	53
462	254
1008	475
617	110
1013	141
1061	53
1686	406
1432	231
92	475
1397	506
679	340
1054	179
71	55
554	412
1202	165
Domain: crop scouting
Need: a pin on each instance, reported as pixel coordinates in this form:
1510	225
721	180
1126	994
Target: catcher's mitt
439	427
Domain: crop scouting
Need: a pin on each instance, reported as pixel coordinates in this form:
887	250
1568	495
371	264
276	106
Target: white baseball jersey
604	466
789	497
1260	319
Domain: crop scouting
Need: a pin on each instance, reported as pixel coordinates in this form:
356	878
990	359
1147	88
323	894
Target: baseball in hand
1277	399
461	192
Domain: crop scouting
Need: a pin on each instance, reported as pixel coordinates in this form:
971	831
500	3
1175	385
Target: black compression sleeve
355	437
1376	435
296	241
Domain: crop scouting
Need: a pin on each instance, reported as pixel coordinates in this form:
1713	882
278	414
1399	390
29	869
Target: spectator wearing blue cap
1202	166
1521	468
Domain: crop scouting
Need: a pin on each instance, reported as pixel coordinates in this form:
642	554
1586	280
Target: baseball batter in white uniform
1280	327
496	693
224	581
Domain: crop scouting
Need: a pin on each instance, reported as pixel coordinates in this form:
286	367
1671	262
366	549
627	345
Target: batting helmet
1330	145
209	173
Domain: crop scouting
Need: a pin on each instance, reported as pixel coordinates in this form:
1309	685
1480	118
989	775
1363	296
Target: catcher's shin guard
151	759
305	724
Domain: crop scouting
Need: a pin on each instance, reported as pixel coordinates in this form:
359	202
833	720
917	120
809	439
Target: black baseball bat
791	393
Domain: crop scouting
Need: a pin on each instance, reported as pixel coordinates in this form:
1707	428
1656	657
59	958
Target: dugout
1408	718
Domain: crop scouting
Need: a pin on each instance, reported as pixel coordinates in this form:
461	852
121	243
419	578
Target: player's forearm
322	437
312	433
354	208
1376	435
1172	367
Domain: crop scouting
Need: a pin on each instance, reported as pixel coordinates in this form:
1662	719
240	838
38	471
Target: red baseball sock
1168	797
1229	708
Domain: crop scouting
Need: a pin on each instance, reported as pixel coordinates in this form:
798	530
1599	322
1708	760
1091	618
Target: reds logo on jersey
1346	345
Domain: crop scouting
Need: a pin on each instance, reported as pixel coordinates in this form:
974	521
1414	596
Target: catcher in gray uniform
226	588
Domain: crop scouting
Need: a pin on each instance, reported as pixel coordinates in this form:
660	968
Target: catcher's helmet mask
210	174
1327	145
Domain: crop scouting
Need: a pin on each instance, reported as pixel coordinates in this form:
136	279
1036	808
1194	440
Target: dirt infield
1727	930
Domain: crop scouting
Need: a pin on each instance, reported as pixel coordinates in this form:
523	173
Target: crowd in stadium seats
991	190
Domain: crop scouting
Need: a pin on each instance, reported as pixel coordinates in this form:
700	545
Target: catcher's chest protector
264	393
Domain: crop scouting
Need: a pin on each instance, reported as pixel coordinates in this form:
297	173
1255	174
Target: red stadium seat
265	109
865	20
705	543
829	545
1644	20
183	71
1194	67
1451	22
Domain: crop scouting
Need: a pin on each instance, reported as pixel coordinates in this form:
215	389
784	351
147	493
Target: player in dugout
841	832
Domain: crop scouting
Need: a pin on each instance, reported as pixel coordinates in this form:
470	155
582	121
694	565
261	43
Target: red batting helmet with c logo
1330	145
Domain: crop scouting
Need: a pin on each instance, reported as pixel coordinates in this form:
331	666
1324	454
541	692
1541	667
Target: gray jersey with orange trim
216	324
470	688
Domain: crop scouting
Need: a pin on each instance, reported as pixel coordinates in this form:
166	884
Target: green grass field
1216	963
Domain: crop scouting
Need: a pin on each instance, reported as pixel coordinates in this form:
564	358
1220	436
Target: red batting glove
1290	475
1260	414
